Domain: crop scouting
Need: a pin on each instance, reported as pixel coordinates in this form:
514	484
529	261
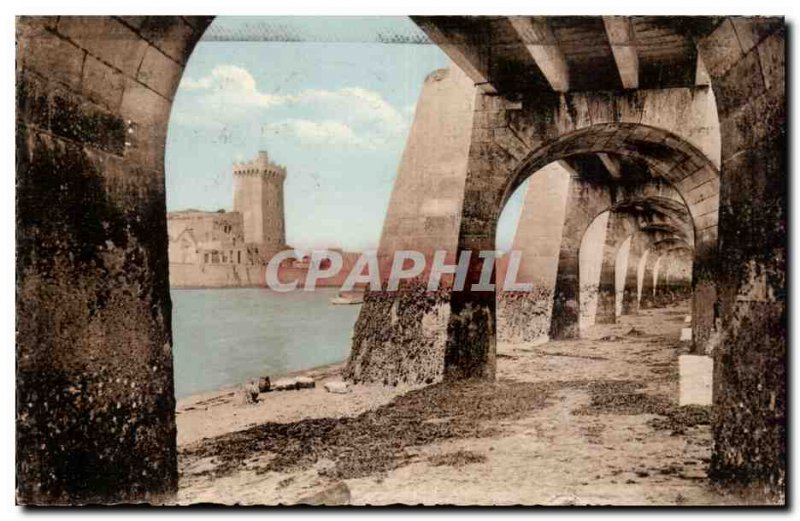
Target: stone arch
79	89
494	173
658	252
687	168
525	316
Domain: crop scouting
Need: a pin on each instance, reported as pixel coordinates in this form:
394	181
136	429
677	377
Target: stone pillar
630	298
648	285
94	391
590	267
524	316
620	228
640	276
400	336
745	58
661	280
585	202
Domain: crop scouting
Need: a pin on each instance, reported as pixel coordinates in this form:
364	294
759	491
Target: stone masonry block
33	104
702	222
146	114
772	53
159	72
752	29
702	192
509	142
102	84
706	206
720	50
742	83
696	179
53	57
72	118
760	117
107	39
171	34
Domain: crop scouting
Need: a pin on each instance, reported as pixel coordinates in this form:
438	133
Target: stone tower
258	196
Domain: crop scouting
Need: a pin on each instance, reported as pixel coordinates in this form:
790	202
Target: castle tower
258	196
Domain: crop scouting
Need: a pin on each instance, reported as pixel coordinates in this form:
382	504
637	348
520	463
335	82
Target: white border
316	7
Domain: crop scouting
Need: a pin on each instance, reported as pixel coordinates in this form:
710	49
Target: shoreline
252	286
597	417
215	413
316	372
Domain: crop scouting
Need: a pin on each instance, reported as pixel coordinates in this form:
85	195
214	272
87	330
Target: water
227	336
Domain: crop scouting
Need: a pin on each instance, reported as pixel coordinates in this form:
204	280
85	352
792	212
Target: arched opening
274	145
531	227
686	192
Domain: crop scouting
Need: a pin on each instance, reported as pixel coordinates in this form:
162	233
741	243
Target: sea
224	337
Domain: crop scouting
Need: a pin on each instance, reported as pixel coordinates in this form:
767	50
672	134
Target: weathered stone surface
522	315
95	400
412	318
750	361
401	337
586	202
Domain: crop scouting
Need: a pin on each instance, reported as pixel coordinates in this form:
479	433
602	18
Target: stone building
220	249
258	197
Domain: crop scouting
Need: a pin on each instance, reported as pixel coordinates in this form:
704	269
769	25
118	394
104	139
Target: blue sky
334	106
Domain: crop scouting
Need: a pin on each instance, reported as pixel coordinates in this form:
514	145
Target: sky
326	97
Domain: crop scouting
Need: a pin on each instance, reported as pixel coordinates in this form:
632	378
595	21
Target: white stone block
688	319
686	334
337	387
696	376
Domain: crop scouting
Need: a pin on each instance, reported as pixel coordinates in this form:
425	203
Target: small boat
348	297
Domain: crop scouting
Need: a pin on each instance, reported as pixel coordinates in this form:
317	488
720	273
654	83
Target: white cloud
340	116
315	132
232	85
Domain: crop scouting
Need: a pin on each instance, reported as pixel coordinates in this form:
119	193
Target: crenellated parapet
260	166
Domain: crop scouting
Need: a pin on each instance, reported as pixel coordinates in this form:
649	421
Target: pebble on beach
338	387
305	382
290	384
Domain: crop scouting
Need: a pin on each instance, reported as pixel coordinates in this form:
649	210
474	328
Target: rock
285	384
249	393
290	384
337	494
338	387
263	384
305	382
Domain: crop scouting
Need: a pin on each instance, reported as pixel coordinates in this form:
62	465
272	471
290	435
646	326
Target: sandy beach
593	421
